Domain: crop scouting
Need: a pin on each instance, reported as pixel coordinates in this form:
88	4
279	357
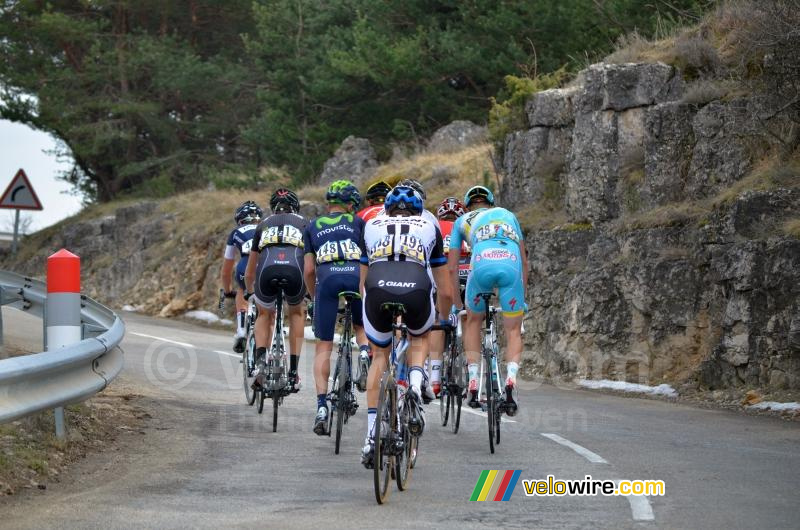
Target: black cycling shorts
280	262
397	282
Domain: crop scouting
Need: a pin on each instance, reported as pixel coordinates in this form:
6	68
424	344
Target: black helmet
377	190
411	183
248	212
285	196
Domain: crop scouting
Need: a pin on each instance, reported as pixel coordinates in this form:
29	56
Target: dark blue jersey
333	240
240	239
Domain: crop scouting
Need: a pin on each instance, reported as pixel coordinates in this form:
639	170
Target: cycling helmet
479	191
404	198
411	183
377	190
248	212
451	205
343	192
284	196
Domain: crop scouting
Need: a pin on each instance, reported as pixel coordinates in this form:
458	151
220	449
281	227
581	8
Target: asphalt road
208	460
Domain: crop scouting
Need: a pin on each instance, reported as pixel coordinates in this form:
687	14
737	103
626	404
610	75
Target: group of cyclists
391	251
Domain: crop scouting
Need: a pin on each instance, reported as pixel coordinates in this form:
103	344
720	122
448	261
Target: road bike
398	423
276	382
454	376
491	378
341	397
249	354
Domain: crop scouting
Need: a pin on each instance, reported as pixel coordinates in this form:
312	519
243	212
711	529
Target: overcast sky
23	147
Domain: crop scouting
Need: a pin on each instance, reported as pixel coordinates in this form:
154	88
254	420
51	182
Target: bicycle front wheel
385	429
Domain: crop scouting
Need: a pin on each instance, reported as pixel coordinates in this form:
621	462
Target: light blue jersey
495	236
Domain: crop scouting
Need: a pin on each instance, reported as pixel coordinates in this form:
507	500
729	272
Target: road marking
229	354
588	455
640	507
466	408
185	345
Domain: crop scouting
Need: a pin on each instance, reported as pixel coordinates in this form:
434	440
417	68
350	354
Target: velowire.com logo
495	485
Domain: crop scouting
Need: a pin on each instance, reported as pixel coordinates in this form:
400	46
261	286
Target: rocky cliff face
660	276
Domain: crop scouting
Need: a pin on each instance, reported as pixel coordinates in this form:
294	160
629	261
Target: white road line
588	455
640	507
466	408
184	344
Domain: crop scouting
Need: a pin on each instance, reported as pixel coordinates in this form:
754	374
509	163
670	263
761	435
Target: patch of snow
226	321
129	308
205	316
309	335
774	405
660	390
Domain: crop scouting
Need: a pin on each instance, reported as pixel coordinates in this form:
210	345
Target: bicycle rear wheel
248	366
455	411
342	401
383	459
405	460
491	405
260	400
445	398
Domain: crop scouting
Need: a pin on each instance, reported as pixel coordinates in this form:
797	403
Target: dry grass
442	174
673	214
31	455
792	228
768	174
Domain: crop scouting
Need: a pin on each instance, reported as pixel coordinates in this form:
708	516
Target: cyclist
375	195
332	266
498	261
448	211
401	255
277	253
247	216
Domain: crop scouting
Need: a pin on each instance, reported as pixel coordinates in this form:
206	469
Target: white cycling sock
511	370
436	371
415	377
371	415
473	371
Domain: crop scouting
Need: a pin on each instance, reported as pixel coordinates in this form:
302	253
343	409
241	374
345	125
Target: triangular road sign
19	195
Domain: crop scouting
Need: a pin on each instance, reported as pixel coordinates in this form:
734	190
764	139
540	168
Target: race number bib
346	250
494	230
246	246
275	236
411	247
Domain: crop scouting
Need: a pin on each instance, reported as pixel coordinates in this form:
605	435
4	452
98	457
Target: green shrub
507	114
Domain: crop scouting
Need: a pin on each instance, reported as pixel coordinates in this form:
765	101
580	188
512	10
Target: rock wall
711	302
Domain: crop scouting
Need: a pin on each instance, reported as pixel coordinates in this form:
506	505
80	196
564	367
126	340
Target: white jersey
415	239
425	215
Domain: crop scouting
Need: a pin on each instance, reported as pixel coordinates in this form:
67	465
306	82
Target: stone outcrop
714	302
354	160
456	136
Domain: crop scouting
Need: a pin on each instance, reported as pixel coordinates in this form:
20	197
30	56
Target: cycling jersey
428	216
369	213
239	241
400	252
279	241
495	237
463	260
333	239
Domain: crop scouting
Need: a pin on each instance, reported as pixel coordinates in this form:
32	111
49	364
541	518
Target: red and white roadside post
62	309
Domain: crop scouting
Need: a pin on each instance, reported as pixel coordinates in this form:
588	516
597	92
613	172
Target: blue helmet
479	191
343	192
404	198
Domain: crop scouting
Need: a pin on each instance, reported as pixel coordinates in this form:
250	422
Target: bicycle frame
489	345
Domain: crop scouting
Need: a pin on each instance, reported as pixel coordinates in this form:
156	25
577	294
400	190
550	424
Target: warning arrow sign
19	195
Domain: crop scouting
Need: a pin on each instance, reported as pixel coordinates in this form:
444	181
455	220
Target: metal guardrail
40	381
